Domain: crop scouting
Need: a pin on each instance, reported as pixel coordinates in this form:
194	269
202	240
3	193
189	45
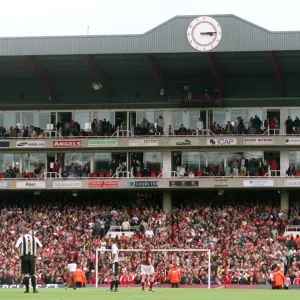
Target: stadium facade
218	69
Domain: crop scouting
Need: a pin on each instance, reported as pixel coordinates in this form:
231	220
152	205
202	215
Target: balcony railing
161	175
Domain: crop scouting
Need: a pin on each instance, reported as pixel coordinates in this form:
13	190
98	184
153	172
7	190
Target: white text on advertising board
221	141
103	184
30	184
294	183
259	141
143	143
3	184
257	183
103	143
67	184
67	144
31	144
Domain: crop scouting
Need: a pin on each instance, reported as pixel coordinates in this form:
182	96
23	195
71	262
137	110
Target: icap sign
227	142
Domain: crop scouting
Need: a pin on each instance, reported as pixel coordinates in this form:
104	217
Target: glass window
151	116
231	156
101	115
262	114
35	119
194	116
153	160
82	118
187	118
294	113
215	158
78	159
234	114
191	160
8	120
220	117
9	159
294	159
102	162
34	161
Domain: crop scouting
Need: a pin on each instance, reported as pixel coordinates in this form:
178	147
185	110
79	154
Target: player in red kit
72	258
147	267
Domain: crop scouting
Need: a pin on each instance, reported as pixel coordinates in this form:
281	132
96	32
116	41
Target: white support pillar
284	161
167	201
167	164
284	201
92	167
167	116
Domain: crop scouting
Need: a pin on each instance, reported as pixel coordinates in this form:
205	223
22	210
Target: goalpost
100	252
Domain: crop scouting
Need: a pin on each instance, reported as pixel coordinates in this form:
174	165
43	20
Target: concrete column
284	201
167	201
167	164
167	116
284	161
284	113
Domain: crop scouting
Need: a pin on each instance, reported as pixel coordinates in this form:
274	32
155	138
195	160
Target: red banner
67	144
103	184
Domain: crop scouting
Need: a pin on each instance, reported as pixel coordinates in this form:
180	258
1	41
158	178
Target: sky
73	17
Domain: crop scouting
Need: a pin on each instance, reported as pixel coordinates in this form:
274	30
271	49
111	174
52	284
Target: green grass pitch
160	294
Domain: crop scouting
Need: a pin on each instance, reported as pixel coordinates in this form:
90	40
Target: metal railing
162	175
120	133
292	228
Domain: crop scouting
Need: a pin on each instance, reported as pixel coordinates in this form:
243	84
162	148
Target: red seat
153	174
139	174
101	174
94	174
297	173
199	173
1	175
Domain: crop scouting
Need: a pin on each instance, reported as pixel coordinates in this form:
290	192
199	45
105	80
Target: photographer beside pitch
28	247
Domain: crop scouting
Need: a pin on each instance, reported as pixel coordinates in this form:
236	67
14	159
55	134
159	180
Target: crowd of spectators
242	167
251	234
147	128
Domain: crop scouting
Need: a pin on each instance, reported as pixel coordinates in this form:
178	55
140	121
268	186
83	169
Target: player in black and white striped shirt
28	247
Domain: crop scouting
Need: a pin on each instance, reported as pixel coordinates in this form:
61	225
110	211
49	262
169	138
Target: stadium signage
184	183
4	184
221	142
103	184
143	143
31	144
292	141
258	183
67	144
32	184
39	286
292	183
180	142
67	184
103	143
259	141
143	184
4	144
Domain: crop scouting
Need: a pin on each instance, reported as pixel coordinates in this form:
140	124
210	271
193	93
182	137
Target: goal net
194	265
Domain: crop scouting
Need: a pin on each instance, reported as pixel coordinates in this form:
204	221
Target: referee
28	247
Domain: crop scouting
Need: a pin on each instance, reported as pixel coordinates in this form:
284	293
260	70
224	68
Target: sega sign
221	142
